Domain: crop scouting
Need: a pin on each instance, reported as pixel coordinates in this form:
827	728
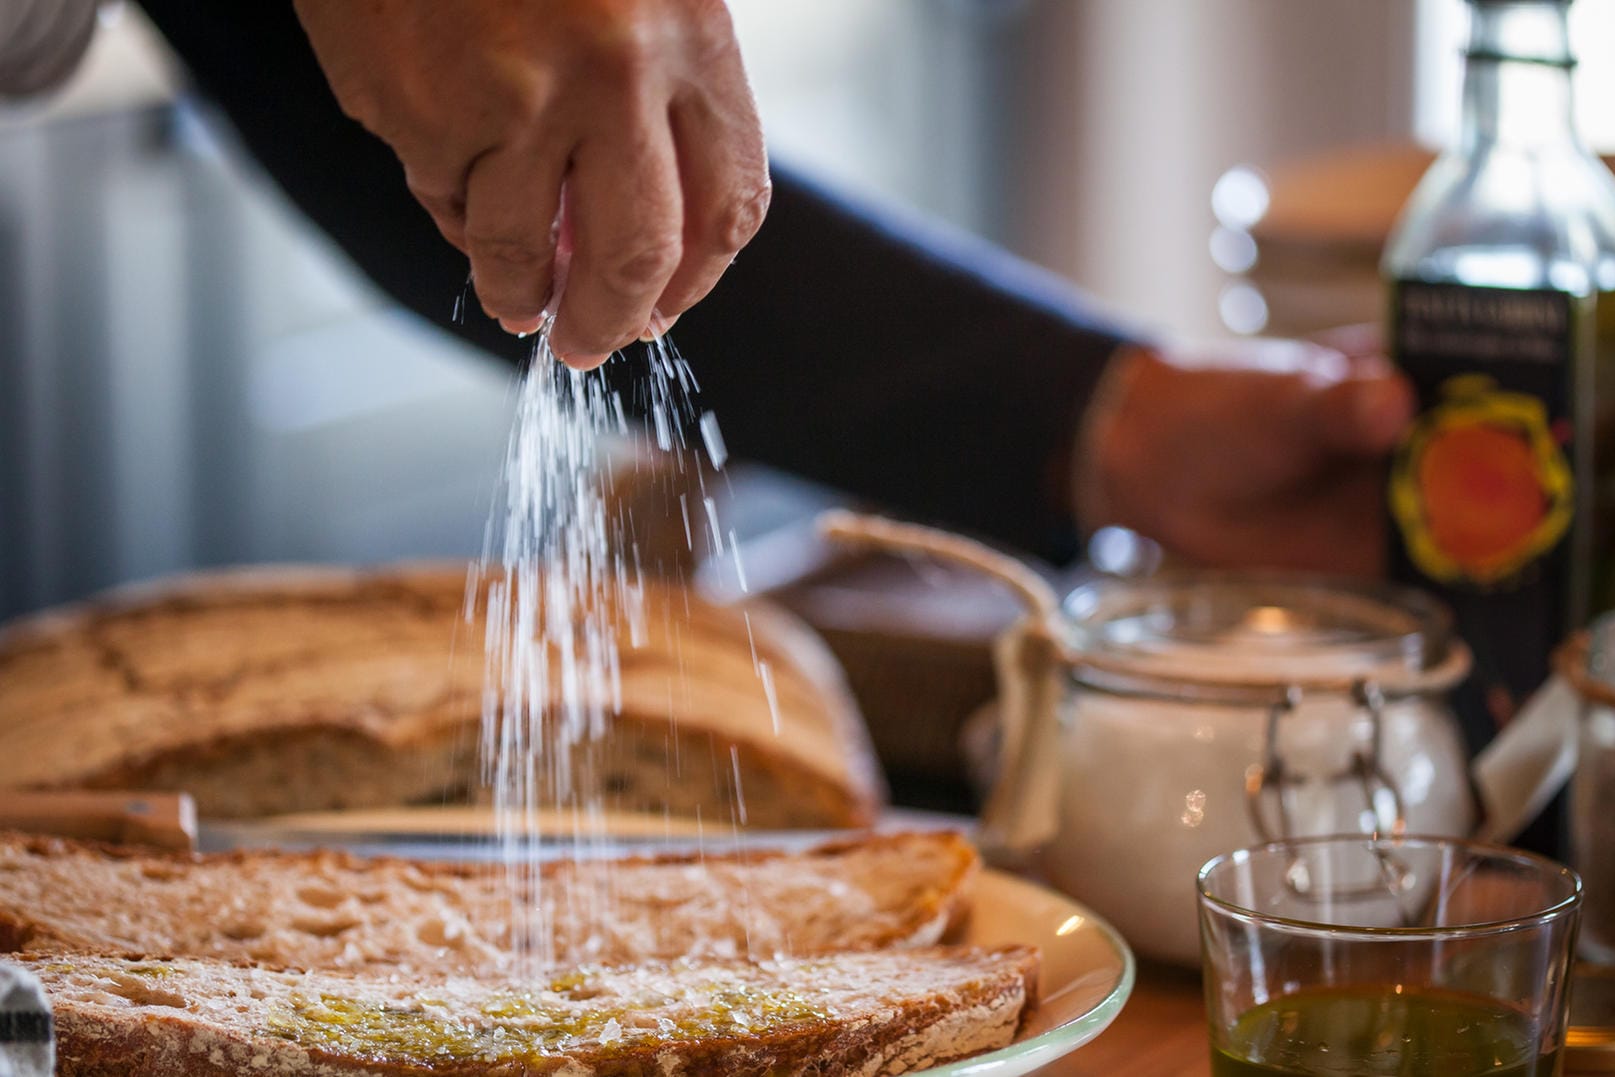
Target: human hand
1255	454
606	151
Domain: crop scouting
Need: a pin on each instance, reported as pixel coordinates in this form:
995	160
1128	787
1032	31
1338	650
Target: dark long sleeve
929	372
911	364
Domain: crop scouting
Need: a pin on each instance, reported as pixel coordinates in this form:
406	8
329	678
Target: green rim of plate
1062	1039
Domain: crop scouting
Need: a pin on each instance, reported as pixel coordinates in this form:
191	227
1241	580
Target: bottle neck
1517	77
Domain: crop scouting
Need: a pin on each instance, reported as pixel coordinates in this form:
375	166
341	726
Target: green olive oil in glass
1358	956
1382	1029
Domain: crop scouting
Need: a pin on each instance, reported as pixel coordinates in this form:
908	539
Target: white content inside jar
1156	779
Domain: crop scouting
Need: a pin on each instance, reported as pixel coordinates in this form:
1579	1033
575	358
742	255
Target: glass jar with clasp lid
1202	713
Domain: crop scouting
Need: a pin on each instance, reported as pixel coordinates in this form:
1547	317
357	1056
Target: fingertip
1361	340
1380	410
581	349
520	327
581	361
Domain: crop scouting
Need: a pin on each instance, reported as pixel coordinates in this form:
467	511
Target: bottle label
1483	490
1481	487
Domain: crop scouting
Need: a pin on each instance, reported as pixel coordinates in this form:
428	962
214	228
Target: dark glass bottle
1501	274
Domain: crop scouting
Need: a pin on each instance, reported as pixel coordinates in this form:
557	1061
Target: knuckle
645	269
739	218
712	32
626	60
522	100
510	251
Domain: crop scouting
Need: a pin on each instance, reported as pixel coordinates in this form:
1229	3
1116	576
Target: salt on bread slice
330	910
281	689
870	1013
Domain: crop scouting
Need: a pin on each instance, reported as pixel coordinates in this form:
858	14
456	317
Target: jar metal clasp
1268	782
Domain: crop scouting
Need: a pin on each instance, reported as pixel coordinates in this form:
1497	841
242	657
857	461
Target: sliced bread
282	689
329	910
871	1013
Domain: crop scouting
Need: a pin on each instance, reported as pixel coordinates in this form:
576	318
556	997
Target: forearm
925	370
41	42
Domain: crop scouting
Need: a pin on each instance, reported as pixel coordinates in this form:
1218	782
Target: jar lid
1587	661
1259	634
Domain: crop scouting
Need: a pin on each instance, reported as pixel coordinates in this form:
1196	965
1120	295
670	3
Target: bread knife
164	820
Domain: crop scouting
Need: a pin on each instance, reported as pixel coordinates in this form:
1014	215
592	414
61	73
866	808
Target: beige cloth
41	42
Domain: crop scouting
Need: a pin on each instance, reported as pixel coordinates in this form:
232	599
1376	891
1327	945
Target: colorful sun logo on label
1481	487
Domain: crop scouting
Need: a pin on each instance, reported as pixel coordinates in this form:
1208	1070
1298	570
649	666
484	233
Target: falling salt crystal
751	639
717	452
684	510
740	569
712	524
766	672
740	794
664	433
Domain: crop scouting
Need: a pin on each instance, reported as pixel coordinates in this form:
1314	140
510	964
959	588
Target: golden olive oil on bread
884	1011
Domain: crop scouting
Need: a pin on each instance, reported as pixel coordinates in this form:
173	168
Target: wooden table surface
1161	1032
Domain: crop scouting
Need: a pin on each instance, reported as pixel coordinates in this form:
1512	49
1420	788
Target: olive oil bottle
1501	278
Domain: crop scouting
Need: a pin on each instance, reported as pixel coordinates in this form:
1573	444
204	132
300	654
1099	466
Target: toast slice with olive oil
867	1013
329	910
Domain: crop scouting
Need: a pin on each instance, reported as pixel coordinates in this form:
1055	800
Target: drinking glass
1354	956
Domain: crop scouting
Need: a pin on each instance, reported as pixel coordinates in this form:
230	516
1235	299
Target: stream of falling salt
561	589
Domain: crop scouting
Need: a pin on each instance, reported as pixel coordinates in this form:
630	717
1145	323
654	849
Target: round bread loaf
274	689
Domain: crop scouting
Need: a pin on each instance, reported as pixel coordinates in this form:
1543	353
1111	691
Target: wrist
1098	439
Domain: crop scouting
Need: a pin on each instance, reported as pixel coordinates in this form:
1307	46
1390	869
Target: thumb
1362	415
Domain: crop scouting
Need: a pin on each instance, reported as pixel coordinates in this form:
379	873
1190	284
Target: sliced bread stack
318	965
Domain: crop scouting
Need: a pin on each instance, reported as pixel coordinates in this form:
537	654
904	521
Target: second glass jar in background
1588	662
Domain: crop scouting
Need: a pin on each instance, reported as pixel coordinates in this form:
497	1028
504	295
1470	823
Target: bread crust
196	682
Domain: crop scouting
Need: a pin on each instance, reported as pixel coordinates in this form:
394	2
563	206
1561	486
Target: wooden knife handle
166	820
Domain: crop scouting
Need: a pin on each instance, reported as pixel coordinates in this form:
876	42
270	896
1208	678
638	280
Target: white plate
1087	972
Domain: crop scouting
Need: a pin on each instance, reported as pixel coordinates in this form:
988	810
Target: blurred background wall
190	376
